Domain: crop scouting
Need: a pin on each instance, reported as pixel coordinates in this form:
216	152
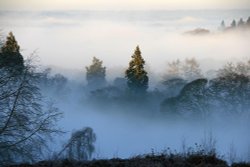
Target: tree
137	79
191	70
233	24
222	25
231	89
10	56
25	122
174	69
191	100
241	23
248	21
96	74
80	146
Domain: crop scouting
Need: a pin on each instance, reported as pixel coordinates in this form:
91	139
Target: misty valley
187	111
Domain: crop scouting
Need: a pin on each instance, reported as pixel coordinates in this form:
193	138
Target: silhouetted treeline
240	24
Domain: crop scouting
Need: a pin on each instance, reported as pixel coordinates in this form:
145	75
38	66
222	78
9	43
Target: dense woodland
28	118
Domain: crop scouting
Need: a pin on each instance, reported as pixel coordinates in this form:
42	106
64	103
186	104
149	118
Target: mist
66	42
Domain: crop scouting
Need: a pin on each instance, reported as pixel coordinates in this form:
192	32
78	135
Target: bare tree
26	120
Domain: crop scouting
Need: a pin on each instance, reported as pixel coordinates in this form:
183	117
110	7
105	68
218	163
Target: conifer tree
10	56
96	74
137	79
233	24
222	25
248	21
241	23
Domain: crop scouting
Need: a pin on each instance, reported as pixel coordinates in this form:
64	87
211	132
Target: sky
122	4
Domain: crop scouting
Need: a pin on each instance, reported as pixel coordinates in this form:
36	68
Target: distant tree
137	79
248	21
222	25
241	23
191	101
231	92
233	24
96	74
231	89
10	56
80	146
174	69
191	69
25	122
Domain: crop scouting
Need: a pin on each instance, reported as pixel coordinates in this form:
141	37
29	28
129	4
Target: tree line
241	24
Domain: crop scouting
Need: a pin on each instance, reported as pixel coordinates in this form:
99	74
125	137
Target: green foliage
96	74
137	79
10	56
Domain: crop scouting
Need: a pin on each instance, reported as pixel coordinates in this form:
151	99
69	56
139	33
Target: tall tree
137	79
96	74
10	55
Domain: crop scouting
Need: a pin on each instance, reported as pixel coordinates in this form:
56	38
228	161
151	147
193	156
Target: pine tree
233	24
10	56
248	21
241	23
96	74
137	79
222	25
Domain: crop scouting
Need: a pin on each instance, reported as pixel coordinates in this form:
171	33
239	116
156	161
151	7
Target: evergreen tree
233	24
96	74
137	79
10	56
248	21
241	23
222	25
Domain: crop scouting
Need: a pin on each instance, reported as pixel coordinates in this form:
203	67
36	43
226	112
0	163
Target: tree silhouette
137	79
10	55
248	21
80	145
241	23
222	25
233	24
96	74
25	123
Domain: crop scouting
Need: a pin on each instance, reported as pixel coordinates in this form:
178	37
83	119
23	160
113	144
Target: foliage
137	79
96	74
228	93
10	56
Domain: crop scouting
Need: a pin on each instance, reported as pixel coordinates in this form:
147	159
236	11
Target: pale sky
122	4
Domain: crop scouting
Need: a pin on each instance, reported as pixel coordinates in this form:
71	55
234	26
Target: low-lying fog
67	41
